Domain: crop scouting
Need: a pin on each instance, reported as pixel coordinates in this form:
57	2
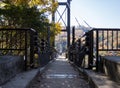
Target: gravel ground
59	74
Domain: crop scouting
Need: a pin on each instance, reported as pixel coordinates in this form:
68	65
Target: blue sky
97	13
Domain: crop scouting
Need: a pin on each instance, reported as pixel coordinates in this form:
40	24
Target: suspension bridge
89	61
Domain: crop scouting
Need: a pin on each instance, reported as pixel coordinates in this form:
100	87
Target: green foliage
28	14
22	17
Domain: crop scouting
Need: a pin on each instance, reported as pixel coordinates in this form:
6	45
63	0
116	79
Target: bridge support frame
67	25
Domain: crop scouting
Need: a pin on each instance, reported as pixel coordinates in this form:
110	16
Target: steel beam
62	3
68	23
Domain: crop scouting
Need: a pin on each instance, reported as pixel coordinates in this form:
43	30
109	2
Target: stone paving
59	74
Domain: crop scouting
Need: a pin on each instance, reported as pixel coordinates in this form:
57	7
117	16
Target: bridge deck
60	74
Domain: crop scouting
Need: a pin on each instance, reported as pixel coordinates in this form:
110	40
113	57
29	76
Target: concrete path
21	80
59	74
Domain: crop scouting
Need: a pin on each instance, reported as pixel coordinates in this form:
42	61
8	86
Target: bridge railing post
90	49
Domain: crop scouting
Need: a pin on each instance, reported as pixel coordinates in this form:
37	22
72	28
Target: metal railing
106	40
95	41
18	42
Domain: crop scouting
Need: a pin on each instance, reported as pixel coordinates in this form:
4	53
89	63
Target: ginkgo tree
44	5
28	14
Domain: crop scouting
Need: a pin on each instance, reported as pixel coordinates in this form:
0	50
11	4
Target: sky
97	13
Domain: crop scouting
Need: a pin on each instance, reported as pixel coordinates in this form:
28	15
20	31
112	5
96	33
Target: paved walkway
59	74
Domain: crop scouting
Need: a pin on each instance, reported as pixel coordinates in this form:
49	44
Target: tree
28	14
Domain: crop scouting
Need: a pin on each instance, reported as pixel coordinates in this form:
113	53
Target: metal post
25	49
48	38
68	26
53	20
31	48
73	35
107	40
68	23
97	52
90	48
117	39
112	39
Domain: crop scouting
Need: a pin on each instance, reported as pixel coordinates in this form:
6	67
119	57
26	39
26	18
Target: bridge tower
61	14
